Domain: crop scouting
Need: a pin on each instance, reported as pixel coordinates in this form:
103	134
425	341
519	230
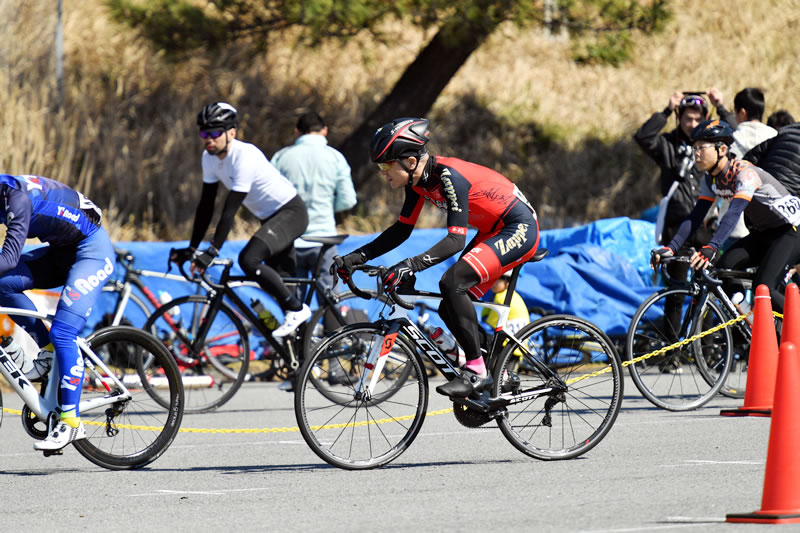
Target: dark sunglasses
214	134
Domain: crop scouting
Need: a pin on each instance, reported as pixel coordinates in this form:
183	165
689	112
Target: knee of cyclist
449	287
248	264
63	334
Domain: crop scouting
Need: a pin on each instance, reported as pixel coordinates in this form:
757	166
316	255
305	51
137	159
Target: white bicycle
125	427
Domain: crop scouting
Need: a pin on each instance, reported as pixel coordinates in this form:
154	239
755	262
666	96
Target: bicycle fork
376	360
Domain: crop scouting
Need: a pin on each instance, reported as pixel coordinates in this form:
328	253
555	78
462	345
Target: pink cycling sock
477	366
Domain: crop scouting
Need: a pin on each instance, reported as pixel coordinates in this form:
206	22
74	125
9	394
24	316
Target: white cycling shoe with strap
292	321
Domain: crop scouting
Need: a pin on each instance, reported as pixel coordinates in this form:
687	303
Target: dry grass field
125	133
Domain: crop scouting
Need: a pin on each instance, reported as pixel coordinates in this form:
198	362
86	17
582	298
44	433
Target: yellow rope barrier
258	430
605	370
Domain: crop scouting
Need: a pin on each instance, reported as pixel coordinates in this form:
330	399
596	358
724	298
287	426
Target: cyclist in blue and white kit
269	196
79	258
771	212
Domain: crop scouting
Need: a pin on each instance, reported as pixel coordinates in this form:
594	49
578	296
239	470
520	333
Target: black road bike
549	399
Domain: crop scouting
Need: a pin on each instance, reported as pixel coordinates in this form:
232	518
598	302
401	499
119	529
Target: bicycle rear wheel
213	372
354	431
565	422
688	376
130	433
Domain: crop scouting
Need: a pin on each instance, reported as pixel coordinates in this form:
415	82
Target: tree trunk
414	94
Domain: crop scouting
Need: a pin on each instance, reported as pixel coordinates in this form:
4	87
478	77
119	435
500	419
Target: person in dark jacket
780	156
672	152
680	178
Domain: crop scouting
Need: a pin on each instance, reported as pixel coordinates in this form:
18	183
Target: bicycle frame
224	288
42	406
398	322
702	285
131	279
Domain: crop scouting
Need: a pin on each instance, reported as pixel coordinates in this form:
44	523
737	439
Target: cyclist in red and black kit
508	233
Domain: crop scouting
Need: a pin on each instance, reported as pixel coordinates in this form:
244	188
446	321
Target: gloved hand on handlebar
705	256
201	261
397	276
657	254
343	266
181	255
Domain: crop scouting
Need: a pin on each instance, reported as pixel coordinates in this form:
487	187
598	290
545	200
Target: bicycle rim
130	433
688	376
352	432
567	422
213	374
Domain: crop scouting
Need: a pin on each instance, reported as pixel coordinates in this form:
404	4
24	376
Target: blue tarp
599	271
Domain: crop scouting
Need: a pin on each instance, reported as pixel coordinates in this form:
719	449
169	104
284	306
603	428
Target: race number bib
788	207
521	197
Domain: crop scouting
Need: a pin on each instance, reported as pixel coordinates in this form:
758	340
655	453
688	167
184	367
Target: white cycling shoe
292	321
61	436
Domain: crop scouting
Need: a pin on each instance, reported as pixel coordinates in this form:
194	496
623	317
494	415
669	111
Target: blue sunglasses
214	134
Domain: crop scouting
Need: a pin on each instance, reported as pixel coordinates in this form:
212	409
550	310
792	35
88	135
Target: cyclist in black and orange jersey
771	212
508	233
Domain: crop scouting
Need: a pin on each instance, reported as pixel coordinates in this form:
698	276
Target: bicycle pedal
48	453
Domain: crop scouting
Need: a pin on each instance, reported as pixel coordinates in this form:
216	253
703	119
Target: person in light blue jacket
322	178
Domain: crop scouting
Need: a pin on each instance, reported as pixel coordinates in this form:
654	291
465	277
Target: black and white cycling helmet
402	137
216	116
714	131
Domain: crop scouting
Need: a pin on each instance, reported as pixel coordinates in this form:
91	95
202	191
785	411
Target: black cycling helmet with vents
402	137
715	131
217	116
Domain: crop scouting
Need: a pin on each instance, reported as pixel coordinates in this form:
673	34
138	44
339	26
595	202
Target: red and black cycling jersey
472	195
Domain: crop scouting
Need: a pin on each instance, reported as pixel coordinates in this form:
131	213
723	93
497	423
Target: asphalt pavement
655	471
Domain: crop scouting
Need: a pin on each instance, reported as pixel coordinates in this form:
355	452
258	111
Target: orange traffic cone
762	361
780	502
790	331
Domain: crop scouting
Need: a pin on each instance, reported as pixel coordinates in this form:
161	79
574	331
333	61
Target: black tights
772	250
457	310
254	260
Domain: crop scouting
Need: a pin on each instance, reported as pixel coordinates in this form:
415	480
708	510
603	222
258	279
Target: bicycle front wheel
581	387
212	368
130	433
689	375
359	430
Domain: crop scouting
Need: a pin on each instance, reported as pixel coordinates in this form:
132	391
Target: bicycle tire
145	430
357	433
580	416
212	377
687	377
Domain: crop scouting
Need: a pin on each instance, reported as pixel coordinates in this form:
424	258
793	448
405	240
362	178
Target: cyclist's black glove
343	266
181	255
658	254
202	260
707	255
397	275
